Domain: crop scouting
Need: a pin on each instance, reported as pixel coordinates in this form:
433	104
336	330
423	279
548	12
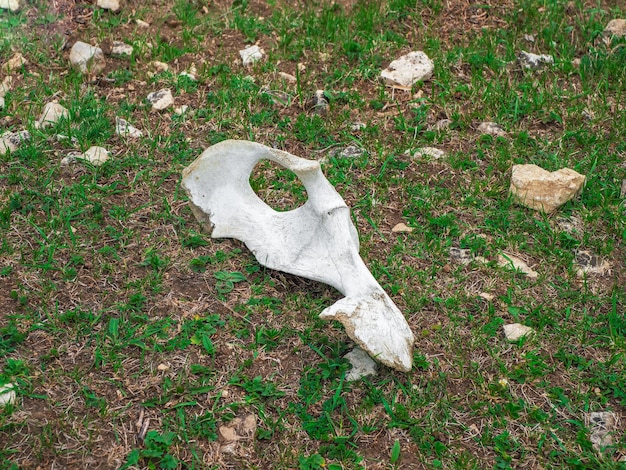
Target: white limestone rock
10	141
180	110
362	365
251	54
125	129
616	27
159	66
401	228
531	61
86	58
96	155
491	128
516	331
51	114
541	190
112	5
17	61
462	256
430	152
588	263
7	395
408	70
317	240
161	99
603	425
514	263
121	48
12	5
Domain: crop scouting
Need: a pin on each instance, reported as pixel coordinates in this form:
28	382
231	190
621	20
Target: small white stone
7	394
616	27
529	38
142	24
602	425
6	85
251	54
159	66
408	70
121	48
287	76
1	102
362	365
357	126
96	155
113	5
163	367
491	128
15	62
86	58
181	109
516	331
401	228
441	125
125	129
532	61
188	75
52	113
13	5
487	296
513	262
431	152
462	256
10	141
587	263
161	99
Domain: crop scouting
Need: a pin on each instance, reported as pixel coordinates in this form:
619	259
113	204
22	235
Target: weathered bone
317	240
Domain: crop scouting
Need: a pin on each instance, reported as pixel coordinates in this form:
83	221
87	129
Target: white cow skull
317	240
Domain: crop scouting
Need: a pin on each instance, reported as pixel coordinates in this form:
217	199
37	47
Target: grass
115	306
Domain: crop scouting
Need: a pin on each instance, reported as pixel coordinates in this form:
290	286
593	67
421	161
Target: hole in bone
279	187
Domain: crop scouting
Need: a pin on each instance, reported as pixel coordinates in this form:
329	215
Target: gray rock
51	114
96	155
113	5
514	263
491	128
161	99
121	48
362	365
7	394
516	331
357	126
431	152
10	141
17	61
441	125
602	425
251	55
616	27
407	70
319	102
461	255
351	151
588	263
86	58
125	129
531	61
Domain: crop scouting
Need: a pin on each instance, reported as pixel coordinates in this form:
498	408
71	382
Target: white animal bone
317	240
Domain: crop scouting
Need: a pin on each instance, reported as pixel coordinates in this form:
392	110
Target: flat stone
228	434
541	190
121	48
96	155
86	58
125	129
516	331
408	70
10	141
401	228
351	151
181	109
13	5
161	99
491	128
17	61
616	27
602	425
587	263
113	5
362	365
441	125
51	114
251	55
431	152
159	66
513	262
461	255
7	394
531	61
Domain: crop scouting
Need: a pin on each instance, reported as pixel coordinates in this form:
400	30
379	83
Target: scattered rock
5	87
51	114
121	48
491	128
180	110
10	141
441	125
357	126
588	263
516	331
401	228
408	70
487	296
15	62
163	367
228	434
287	76
351	151
461	255
86	58
602	425
187	75
161	99
576	62
541	190
251	55
13	5
506	260
125	129
159	66
113	5
531	61
239	428
96	155
141	23
529	38
572	225
362	365
431	152
71	158
616	27
7	394
319	102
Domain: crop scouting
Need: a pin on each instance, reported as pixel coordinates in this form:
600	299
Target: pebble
5	87
442	125
401	228
113	5
287	76
96	155
7	394
407	70
431	152
125	129
13	5
357	126
513	262
531	61
616	27
362	365
142	24
51	114
319	102
491	128
121	48
159	66
516	331
181	109
86	58
251	55
351	151
587	263
10	141
602	425
461	255
161	99
15	62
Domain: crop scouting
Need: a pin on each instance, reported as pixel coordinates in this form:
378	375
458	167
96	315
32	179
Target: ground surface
135	340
